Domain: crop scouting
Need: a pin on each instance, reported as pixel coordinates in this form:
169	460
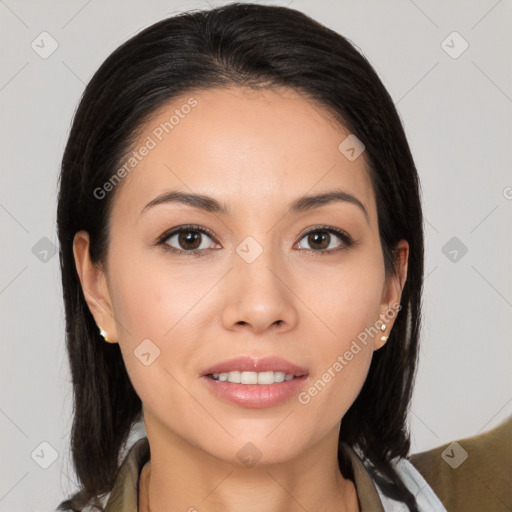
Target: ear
94	286
392	293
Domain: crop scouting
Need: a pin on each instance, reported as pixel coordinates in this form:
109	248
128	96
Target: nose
258	296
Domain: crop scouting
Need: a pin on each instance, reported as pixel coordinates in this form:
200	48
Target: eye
186	240
321	239
192	240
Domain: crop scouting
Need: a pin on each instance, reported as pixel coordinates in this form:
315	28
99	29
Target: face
264	279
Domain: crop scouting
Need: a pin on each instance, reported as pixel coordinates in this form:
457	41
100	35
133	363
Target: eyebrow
300	205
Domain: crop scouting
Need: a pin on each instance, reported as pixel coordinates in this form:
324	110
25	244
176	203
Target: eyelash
346	239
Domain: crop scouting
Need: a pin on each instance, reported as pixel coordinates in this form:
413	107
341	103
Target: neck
183	477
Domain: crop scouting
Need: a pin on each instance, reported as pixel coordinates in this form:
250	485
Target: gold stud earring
383	327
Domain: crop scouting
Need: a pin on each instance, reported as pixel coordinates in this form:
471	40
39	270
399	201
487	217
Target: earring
104	334
383	327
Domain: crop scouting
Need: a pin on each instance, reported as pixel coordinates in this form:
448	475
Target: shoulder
377	492
426	498
471	474
124	493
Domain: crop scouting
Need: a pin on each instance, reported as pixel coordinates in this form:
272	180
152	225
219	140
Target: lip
262	364
256	396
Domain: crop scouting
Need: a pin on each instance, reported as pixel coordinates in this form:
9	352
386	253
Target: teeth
252	377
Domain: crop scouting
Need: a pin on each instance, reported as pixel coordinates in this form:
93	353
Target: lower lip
256	396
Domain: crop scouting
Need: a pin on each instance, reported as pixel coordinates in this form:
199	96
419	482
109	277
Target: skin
257	152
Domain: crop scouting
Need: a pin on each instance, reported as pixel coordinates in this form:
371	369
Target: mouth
252	370
261	378
255	383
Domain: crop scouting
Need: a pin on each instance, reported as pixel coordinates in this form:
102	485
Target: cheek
162	310
150	302
151	310
347	307
343	359
345	297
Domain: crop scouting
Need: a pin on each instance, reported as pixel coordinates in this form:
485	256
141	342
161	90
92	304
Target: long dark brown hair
257	46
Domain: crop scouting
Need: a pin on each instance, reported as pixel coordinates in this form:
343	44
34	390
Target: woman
242	261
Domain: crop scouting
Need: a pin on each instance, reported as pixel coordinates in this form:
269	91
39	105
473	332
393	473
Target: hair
235	45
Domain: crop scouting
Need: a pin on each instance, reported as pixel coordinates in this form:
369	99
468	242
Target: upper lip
251	364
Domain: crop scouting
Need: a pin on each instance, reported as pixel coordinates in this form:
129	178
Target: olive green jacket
473	474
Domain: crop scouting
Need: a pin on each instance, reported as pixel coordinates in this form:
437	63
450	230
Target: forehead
244	147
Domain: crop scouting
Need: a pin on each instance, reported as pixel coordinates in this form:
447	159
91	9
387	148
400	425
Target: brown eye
324	240
189	240
183	240
319	240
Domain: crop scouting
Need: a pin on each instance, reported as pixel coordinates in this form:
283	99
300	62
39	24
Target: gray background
457	113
